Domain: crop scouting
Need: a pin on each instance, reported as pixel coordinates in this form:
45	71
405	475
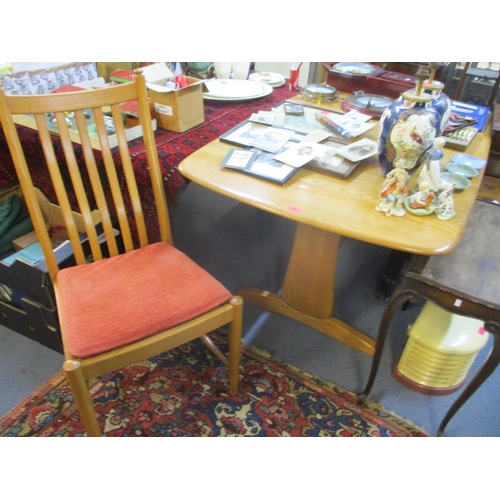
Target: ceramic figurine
445	205
394	191
431	169
407	127
423	197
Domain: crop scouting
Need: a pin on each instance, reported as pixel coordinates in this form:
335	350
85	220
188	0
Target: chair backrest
93	178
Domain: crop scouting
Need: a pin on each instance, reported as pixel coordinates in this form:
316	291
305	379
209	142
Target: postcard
331	163
301	153
317	136
262	117
359	150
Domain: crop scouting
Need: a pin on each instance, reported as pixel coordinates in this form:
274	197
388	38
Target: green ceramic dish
462	169
460	181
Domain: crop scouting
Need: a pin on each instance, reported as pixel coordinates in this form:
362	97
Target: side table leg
481	376
391	275
400	296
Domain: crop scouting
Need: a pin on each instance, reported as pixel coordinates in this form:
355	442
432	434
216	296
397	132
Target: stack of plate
273	79
235	90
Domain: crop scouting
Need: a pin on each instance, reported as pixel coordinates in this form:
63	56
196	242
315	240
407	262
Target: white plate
235	90
273	79
355	67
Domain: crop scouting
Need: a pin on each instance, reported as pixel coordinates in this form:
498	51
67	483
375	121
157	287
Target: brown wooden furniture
380	82
466	282
473	72
493	167
130	306
327	209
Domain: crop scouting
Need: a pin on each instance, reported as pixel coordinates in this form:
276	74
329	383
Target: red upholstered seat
114	302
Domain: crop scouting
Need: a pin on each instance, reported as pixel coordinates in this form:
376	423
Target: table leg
308	288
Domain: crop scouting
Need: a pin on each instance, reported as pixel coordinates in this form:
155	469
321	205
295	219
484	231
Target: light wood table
326	209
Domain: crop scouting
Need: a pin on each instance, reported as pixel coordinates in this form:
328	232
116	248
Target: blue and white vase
406	130
440	101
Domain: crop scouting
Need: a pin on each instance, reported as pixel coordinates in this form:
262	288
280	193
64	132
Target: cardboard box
32	311
33	321
24	241
32	280
177	110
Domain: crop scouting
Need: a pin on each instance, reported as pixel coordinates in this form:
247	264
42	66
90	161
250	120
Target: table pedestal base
332	327
308	288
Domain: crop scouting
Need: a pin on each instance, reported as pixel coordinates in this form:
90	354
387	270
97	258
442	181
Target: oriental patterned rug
184	393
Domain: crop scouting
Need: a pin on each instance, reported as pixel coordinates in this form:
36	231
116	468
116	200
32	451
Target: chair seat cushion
114	302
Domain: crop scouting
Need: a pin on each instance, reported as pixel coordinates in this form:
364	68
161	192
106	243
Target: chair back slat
131	182
59	188
78	188
97	187
91	183
154	169
112	177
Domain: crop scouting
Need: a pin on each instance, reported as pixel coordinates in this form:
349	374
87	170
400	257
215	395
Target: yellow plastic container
440	350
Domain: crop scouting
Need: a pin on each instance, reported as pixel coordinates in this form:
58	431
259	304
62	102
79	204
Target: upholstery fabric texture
152	288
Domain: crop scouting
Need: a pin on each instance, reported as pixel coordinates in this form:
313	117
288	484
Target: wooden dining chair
125	306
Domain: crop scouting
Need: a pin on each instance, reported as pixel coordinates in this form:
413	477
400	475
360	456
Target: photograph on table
301	153
359	150
330	162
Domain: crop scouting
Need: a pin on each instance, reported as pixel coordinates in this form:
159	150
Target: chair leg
82	398
235	345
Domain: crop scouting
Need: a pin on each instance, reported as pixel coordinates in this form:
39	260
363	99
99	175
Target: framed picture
258	135
239	159
272	140
258	164
244	133
266	167
332	163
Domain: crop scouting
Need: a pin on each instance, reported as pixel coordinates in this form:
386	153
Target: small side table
466	282
493	166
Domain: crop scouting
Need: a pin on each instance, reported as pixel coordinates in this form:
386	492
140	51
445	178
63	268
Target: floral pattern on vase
406	130
440	101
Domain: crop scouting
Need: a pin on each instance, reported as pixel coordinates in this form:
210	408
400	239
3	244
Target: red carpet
183	393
